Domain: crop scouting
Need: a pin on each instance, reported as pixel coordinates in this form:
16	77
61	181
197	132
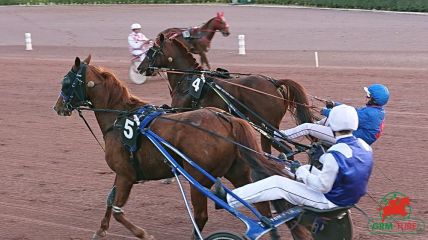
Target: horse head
167	52
220	24
90	86
74	88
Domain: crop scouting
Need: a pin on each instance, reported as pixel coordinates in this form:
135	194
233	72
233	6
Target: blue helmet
379	93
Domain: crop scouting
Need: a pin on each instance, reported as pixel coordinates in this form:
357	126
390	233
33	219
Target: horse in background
102	92
267	97
198	39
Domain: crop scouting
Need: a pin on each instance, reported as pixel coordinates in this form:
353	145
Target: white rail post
316	60
28	45
241	43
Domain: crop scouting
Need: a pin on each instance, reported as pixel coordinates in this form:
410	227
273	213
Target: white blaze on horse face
90	84
170	59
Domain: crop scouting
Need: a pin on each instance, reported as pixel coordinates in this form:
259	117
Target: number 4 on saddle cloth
197	87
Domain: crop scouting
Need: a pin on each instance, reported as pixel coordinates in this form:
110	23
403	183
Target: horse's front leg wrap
111	196
105	222
117	210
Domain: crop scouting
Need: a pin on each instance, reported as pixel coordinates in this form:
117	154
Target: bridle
73	90
152	54
223	25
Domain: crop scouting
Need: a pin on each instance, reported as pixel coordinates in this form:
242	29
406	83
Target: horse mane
116	91
186	53
219	17
206	24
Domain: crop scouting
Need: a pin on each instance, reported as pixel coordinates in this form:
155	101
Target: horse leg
200	209
123	189
204	59
299	232
105	222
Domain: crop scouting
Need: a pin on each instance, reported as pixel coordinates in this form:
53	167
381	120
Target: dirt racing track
54	177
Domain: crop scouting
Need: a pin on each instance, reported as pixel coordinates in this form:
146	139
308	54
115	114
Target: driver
343	180
138	42
371	119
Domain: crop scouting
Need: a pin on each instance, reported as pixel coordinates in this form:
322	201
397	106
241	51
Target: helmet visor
367	92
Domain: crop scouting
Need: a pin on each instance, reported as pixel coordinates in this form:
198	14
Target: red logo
397	206
395	216
382	125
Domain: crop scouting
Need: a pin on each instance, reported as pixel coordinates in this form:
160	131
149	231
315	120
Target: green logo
395	216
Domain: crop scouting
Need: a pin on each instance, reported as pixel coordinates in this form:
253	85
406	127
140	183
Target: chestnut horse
267	97
198	39
87	85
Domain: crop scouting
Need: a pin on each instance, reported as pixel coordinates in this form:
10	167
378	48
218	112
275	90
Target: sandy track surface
54	176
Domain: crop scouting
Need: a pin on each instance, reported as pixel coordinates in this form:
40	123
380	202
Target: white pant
140	54
323	133
277	187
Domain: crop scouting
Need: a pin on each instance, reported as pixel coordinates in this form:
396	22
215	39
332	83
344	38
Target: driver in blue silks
371	119
343	180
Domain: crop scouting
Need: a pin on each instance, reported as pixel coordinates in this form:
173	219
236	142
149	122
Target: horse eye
151	53
66	81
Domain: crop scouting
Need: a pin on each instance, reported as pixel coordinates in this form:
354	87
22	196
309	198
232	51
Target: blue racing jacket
370	122
355	161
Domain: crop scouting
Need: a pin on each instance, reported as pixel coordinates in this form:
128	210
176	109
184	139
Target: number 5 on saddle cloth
131	124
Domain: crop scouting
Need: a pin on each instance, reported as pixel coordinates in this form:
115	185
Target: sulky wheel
224	235
134	75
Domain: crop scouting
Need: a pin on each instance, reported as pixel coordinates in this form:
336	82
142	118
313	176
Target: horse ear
88	59
76	63
161	38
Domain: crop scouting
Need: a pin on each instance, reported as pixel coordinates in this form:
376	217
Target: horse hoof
99	235
149	237
168	180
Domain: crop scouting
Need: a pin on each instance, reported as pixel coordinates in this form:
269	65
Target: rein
209	72
120	112
80	109
90	129
270	156
225	96
222	93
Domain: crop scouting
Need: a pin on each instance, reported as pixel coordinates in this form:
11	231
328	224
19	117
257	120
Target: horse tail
251	154
297	101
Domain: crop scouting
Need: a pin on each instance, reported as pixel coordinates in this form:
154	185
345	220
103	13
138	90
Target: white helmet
343	117
135	26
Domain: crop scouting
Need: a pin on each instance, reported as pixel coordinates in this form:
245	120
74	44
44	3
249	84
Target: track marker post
241	44
316	60
28	45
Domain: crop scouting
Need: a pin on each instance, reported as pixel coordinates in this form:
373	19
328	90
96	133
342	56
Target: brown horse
87	85
198	39
267	97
